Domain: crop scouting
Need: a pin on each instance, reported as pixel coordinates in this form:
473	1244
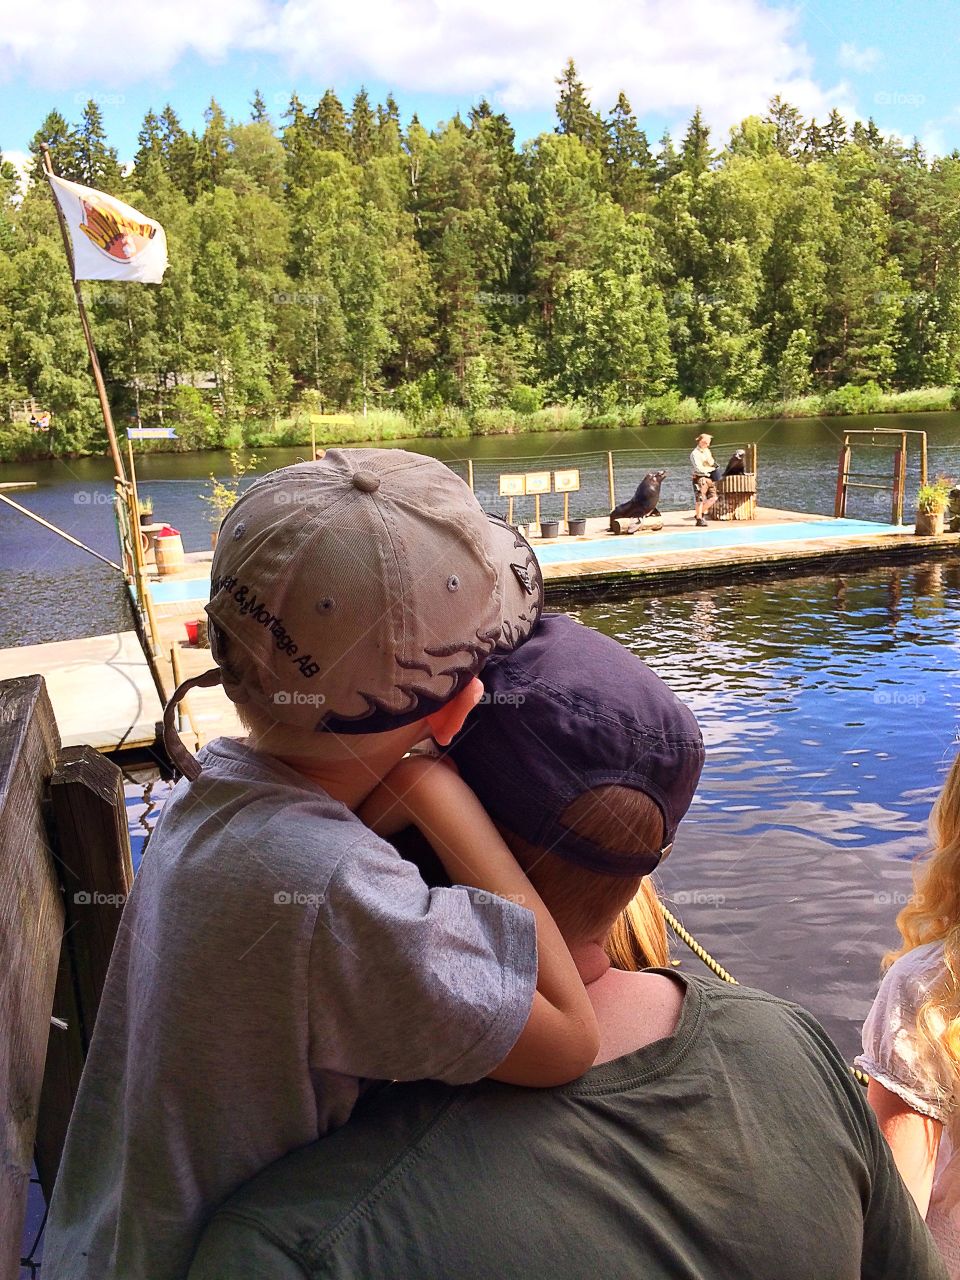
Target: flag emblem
111	240
117	236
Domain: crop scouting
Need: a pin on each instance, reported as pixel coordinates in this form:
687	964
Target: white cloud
728	56
854	58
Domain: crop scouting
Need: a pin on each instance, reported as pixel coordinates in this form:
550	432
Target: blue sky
895	60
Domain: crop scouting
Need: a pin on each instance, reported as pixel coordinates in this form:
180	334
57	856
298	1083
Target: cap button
365	481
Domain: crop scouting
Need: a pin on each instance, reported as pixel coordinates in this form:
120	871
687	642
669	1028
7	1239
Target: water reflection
829	707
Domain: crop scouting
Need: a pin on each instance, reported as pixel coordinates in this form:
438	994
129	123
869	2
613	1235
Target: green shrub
557	417
672	407
955	398
867	398
494	422
523	398
922	400
726	409
447	423
19	442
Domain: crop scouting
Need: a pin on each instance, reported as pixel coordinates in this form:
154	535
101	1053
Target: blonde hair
638	939
933	915
587	903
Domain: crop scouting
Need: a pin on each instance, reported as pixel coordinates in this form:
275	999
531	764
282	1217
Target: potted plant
932	501
222	494
145	510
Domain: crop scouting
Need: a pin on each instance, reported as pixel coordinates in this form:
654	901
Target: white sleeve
894	1052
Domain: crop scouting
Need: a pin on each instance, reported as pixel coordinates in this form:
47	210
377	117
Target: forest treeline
336	260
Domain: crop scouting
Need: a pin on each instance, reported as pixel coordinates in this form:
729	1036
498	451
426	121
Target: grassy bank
19	443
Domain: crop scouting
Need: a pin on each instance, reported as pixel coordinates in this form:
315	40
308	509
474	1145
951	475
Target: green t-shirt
739	1148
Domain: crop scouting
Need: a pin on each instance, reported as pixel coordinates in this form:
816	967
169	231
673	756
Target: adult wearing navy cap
719	1135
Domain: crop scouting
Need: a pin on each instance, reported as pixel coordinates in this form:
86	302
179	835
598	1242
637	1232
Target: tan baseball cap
359	593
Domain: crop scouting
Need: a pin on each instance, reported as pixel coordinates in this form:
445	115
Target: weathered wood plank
31	924
92	855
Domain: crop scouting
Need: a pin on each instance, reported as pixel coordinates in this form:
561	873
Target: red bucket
191	631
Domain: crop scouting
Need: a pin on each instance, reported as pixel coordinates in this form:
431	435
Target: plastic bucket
169	554
549	528
577	528
191	632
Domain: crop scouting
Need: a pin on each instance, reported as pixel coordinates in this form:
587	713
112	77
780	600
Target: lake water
830	708
53	591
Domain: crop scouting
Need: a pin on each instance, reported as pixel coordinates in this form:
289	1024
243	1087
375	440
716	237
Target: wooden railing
65	872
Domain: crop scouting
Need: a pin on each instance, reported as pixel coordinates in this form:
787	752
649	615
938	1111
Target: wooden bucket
169	553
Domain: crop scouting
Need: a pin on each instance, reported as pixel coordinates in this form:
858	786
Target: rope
703	954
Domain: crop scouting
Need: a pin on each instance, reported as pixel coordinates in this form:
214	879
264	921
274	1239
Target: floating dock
104	692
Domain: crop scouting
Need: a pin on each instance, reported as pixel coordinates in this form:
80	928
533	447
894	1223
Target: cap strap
183	760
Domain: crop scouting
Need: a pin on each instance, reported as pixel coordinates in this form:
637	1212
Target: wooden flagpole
85	324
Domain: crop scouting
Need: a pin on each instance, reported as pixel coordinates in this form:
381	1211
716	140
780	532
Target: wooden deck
101	688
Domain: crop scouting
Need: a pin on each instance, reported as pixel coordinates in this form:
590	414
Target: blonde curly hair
933	915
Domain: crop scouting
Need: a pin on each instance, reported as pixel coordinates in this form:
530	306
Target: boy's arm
913	1138
561	1037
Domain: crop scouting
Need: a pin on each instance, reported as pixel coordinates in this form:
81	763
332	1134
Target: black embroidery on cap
522	574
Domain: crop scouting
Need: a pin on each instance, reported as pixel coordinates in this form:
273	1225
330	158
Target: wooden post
536	506
31	914
896	515
613	490
92	855
923	457
470	474
313	440
85	324
509	510
840	504
566	510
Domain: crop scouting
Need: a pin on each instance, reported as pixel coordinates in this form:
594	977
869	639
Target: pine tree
695	153
629	162
61	138
362	126
789	125
668	162
329	124
834	133
574	111
96	161
180	159
148	161
258	109
214	154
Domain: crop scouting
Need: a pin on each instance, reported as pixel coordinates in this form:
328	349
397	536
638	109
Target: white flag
111	241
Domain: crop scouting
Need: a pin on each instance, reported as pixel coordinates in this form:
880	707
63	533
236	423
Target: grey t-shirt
739	1148
274	954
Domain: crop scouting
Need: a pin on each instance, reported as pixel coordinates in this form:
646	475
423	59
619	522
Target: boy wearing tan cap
275	955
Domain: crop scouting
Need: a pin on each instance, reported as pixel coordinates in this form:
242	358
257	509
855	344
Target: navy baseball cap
568	711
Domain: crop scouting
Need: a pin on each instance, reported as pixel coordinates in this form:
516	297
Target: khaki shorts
704	488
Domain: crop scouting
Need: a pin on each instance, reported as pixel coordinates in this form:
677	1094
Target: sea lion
643	503
735	467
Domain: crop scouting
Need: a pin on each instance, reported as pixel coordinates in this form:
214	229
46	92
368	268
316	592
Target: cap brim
521	583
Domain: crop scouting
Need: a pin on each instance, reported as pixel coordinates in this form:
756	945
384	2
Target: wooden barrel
169	553
736	498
